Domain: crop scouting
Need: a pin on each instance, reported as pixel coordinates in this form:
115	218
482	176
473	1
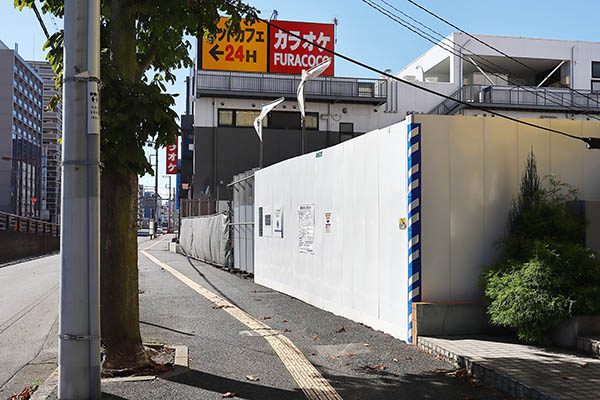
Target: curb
485	374
180	365
589	345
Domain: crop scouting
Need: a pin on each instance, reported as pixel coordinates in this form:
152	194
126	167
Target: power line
486	63
39	17
490	46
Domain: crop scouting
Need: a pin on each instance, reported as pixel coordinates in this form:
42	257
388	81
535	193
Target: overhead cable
592	142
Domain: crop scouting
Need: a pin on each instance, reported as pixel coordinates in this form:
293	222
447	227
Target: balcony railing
276	84
521	97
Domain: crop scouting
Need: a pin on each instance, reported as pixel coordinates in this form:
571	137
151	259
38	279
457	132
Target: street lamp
311	73
266	108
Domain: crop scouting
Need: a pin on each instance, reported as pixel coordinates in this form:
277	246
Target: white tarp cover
206	238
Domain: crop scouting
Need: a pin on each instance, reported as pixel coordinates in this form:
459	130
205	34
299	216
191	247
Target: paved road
29	293
28	316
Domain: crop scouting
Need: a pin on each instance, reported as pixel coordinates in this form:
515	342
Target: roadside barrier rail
12	222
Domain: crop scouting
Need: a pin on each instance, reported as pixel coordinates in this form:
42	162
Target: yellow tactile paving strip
302	371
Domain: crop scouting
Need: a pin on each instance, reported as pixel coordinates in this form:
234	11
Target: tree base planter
566	333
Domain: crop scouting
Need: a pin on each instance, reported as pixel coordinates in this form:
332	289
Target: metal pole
156	194
93	103
79	368
303	135
169	221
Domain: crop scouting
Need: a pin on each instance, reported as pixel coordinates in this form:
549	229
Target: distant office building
51	146
21	96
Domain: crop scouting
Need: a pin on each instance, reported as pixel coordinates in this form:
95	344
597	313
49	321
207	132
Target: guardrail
12	222
553	98
287	84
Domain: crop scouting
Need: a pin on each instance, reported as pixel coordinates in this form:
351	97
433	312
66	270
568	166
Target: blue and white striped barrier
414	220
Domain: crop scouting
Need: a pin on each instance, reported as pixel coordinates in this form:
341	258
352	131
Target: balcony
521	98
252	85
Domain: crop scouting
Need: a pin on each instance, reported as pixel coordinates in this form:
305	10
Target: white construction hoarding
406	213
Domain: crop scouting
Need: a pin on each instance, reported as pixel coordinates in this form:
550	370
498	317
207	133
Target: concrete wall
358	264
237	150
471	169
17	245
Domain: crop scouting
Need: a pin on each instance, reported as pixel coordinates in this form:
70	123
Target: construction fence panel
207	238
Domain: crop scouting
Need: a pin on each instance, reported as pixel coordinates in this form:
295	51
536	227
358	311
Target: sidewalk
358	362
521	370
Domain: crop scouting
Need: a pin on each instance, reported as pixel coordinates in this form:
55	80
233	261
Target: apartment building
51	145
21	107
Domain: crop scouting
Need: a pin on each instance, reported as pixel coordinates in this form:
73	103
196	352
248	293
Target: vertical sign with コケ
290	55
172	158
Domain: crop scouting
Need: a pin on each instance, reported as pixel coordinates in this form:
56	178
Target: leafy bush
544	273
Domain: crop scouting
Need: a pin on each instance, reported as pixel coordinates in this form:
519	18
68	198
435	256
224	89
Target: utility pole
79	323
156	194
169	221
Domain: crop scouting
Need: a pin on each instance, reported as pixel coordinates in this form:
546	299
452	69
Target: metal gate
243	221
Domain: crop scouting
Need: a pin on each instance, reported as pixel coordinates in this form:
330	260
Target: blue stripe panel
414	219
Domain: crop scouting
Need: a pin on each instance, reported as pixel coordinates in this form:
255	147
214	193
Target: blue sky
367	35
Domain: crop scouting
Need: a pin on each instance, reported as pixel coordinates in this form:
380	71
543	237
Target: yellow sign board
242	51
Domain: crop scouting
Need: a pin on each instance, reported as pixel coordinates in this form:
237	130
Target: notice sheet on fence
306	228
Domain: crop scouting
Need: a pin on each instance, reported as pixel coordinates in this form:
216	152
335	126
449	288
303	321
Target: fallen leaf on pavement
228	395
332	357
286	330
315	338
252	378
285	320
349	355
265	318
347	363
342	329
374	367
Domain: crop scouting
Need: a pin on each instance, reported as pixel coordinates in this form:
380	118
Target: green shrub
544	273
532	297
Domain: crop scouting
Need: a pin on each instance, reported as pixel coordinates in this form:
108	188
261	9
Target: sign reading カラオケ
242	51
290	55
262	48
172	158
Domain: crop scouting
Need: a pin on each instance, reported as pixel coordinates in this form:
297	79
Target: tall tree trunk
121	337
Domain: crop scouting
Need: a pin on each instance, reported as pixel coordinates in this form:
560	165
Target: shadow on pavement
426	385
216	289
168	329
244	390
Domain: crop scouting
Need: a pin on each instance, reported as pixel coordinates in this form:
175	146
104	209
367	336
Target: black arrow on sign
214	52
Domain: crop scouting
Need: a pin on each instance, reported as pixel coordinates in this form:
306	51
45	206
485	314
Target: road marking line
308	378
155	243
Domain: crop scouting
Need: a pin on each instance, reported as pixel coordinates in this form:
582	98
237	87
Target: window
291	120
347	127
246	118
312	121
225	118
595	76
